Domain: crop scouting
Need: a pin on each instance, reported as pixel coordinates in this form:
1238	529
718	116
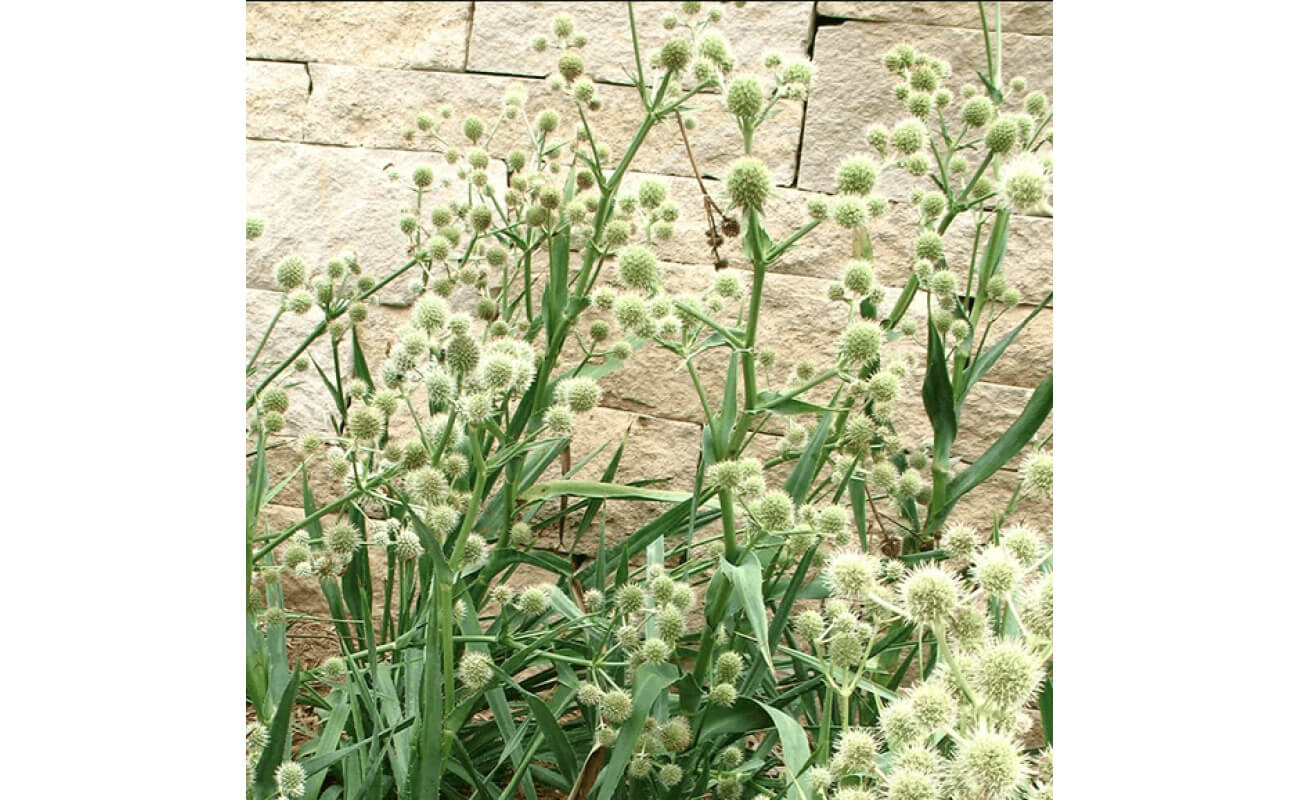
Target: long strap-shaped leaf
1003	450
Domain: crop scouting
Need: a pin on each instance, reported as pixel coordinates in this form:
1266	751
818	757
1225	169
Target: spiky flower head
408	546
570	65
856	175
745	97
1024	542
1036	103
997	570
845	650
728	666
855	752
334	669
934	707
341	538
581	394
1007	674
675	55
859	276
290	779
671	622
774	511
860	343
655	650
852	575
988	765
929	594
1036	607
291	273
723	694
809	625
475	670
535	599
850	212
1024	184
960	540
616	705
900	725
748	183
1002	135
638	268
675	734
589	694
670	774
908	137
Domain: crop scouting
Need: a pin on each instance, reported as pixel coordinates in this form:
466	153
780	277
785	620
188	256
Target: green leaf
904	300
936	392
549	490
559	743
743	717
1010	443
795	752
747	579
781	404
1045	710
651	679
810	462
359	368
277	744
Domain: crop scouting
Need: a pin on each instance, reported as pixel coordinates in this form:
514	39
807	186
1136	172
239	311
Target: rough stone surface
275	99
318	201
406	35
854	90
1026	17
375	107
502	33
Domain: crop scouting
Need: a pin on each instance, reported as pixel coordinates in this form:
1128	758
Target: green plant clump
828	619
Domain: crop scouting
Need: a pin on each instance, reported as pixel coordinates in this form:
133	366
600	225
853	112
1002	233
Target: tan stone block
990	498
503	32
404	35
319	201
1023	17
275	99
375	107
1029	358
854	90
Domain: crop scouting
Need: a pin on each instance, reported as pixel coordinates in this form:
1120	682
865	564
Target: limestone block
403	35
275	99
1026	17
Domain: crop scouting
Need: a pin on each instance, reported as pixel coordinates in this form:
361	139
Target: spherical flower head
630	312
727	285
638	268
855	752
629	598
818	210
799	71
616	705
628	637
916	164
1023	542
475	670
859	276
364	422
570	65
724	475
728	666
845	650
655	650
960	540
852	575
652	193
933	204
1006	674
919	105
1002	135
1036	607
256	736
1024	184
774	511
253	228
408	546
723	694
548	120
808	625
883	387
290	779
713	47
861	342
929	246
671	622
473	128
1036	104
745	97
341	538
291	273
929	594
476	549
621	351
589	694
934	707
900	725
675	734
670	774
977	111
998	571
832	521
908	136
675	55
748	183
850	212
856	175
535	599
275	399
580	394
989	765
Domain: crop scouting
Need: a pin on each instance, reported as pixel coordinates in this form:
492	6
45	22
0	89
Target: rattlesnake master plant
831	595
